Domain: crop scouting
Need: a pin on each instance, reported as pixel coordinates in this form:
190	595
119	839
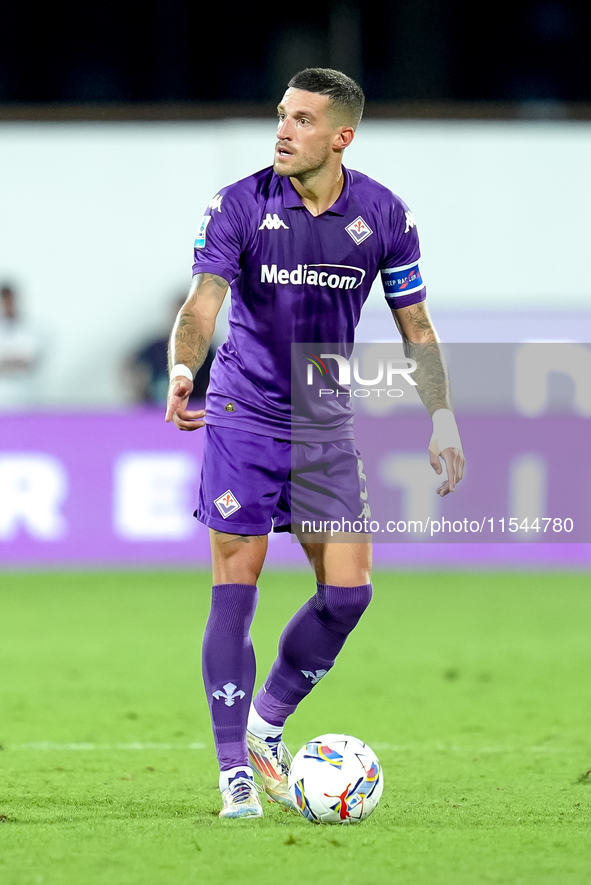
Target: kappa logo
273	222
229	694
359	230
227	504
216	203
410	221
314	676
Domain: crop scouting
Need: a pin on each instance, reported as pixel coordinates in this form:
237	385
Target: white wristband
181	369
445	432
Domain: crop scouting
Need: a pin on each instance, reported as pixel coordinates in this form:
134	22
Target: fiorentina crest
359	230
227	504
314	675
229	694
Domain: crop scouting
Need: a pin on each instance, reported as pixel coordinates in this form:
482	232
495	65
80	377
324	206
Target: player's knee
235	561
340	608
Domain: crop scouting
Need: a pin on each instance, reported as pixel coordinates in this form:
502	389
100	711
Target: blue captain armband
399	282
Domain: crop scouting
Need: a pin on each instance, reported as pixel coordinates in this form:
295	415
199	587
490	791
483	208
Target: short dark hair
345	94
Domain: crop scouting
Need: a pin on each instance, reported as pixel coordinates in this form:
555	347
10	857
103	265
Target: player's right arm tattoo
193	329
421	344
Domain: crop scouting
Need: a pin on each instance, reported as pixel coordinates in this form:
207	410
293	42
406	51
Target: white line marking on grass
89	747
541	749
47	746
454	748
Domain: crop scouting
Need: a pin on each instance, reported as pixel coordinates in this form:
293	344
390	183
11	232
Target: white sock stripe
226	776
261	729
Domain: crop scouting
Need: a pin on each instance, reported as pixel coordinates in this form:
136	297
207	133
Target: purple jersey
296	277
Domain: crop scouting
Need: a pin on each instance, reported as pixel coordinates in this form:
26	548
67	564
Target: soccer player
299	245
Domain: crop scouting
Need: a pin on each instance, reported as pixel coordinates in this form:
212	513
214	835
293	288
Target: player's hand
179	391
454	462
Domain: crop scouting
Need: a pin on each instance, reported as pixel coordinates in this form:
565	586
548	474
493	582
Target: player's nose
283	130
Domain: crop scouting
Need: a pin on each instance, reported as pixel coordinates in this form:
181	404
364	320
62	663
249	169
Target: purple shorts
251	484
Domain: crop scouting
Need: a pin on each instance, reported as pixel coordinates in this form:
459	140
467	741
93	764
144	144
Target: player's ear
343	137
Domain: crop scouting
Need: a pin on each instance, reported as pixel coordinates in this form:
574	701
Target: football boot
241	799
271	761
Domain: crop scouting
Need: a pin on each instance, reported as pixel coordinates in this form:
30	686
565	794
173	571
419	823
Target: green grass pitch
473	689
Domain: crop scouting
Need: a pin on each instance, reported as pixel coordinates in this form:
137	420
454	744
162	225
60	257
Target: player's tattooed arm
189	343
421	343
195	323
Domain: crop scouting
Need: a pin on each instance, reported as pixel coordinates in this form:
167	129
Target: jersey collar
292	200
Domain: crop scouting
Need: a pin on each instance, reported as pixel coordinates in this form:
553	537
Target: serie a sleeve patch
200	239
401	281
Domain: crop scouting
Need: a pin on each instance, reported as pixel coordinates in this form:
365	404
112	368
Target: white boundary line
454	748
90	747
48	746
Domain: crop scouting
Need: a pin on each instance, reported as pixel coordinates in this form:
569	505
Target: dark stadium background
177	51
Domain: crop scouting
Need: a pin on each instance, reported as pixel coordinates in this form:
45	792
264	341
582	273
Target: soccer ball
336	779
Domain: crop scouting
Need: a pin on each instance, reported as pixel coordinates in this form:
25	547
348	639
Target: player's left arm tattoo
421	343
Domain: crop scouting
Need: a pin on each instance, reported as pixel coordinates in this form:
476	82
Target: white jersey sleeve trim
402	267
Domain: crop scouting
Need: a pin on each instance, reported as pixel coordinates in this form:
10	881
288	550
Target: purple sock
229	669
308	648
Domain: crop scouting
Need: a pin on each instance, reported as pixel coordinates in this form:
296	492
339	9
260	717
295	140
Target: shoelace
240	790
